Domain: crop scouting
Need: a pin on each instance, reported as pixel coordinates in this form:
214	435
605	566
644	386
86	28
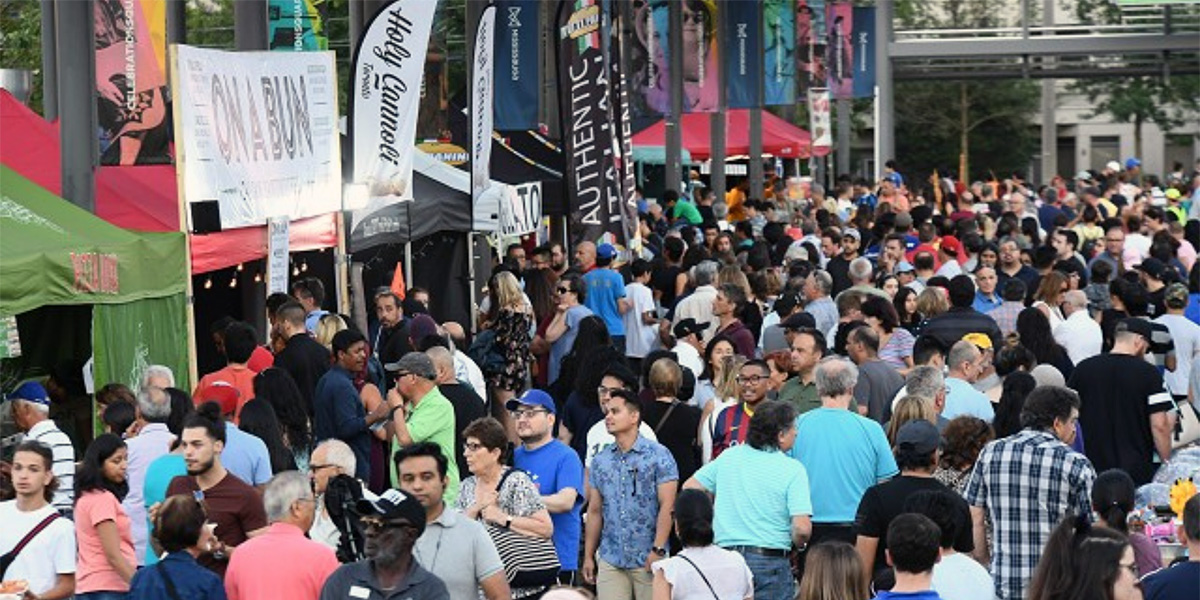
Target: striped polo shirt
47	433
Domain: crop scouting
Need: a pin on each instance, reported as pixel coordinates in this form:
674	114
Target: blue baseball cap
1131	163
31	391
532	397
606	251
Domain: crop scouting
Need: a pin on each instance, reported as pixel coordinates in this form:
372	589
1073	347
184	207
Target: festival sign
520	209
517	63
821	123
810	44
864	51
839	46
779	53
297	25
649	57
618	51
257	135
131	81
743	38
481	104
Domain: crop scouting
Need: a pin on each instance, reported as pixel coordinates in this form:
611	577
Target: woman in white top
1049	297
702	570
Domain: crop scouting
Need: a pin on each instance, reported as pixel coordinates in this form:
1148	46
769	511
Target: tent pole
341	266
189	300
408	274
673	121
471	282
755	170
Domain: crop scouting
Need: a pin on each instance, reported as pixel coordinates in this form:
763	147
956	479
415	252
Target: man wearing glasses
733	423
421	413
392	523
555	470
569	298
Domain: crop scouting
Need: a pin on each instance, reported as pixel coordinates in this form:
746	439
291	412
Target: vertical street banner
482	71
384	98
518	61
743	41
618	51
821	122
131	81
593	187
810	44
864	51
297	25
839	48
779	52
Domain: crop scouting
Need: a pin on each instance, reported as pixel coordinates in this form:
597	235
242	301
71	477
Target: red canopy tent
141	198
780	138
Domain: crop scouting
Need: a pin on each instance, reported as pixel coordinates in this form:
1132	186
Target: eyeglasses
1114	239
606	391
751	379
563	290
473	446
315	468
528	413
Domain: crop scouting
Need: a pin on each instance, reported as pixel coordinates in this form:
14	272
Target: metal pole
250	24
717	120
77	101
843	137
49	63
176	22
674	120
356	24
1049	100
885	122
756	146
474	13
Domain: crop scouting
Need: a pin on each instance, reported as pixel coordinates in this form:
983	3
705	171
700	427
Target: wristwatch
508	522
659	550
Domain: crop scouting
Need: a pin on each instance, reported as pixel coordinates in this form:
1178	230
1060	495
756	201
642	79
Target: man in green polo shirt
808	348
422	413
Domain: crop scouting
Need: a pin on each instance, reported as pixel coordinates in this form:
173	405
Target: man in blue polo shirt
761	518
555	470
844	451
606	294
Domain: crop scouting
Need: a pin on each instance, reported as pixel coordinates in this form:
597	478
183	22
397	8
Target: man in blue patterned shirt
1027	483
633	487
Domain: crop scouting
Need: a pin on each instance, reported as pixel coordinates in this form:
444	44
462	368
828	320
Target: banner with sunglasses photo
649	57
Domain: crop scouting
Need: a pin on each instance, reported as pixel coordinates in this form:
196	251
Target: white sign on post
277	255
521	209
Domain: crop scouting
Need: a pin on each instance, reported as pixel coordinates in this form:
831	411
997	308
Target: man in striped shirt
31	412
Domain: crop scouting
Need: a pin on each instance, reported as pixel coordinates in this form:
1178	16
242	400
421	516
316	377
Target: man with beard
233	506
392	338
392	524
556	471
338	410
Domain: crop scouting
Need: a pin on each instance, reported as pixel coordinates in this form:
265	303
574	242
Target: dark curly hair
965	437
771	418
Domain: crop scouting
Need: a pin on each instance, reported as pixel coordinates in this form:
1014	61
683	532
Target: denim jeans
102	596
772	576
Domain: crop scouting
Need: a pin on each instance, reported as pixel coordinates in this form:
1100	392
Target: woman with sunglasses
497	494
106	559
180	528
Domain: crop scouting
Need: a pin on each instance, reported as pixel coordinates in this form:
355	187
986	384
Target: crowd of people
892	391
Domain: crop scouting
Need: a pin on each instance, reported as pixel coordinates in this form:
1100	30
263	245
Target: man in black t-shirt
1123	405
467	404
917	452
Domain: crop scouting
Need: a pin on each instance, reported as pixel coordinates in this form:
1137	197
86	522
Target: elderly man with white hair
159	376
282	563
31	414
152	441
1079	333
331	458
862	280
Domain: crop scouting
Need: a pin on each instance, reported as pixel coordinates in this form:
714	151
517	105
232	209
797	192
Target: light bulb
233	282
208	283
295	271
304	266
239	267
257	277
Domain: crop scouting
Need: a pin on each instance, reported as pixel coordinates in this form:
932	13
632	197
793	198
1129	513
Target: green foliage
1147	99
21	42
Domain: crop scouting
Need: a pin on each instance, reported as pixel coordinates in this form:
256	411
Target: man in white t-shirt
641	322
47	561
1079	334
956	576
1186	336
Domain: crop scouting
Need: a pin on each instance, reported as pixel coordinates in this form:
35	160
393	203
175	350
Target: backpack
485	354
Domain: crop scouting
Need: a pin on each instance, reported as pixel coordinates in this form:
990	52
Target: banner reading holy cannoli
482	71
297	25
131	81
743	40
839	48
517	62
593	187
779	52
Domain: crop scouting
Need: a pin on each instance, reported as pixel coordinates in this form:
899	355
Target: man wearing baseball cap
689	343
1123	404
1185	336
948	252
420	413
606	294
31	414
391	524
556	471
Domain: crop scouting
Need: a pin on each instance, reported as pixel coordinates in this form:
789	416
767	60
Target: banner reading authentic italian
864	51
518	59
618	50
131	80
297	25
838	46
743	38
593	188
257	134
779	53
482	70
388	64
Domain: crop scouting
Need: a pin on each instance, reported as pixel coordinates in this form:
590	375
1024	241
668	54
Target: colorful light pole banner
743	38
257	133
482	71
649	58
593	187
822	128
385	97
518	53
864	51
810	44
131	79
779	53
297	25
839	47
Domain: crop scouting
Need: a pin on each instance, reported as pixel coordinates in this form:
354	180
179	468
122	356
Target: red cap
951	245
221	392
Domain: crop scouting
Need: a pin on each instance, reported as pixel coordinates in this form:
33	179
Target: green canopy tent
54	254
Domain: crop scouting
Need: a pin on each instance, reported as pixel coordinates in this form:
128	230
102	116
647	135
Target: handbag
1187	424
528	561
10	557
702	576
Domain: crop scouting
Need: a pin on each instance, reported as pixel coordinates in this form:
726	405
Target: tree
21	42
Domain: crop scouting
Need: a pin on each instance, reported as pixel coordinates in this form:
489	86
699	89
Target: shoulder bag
702	576
528	561
1187	424
8	558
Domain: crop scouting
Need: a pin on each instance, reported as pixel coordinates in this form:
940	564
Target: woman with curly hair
965	436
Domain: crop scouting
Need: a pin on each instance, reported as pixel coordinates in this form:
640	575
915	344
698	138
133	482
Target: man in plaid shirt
1005	315
1027	483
